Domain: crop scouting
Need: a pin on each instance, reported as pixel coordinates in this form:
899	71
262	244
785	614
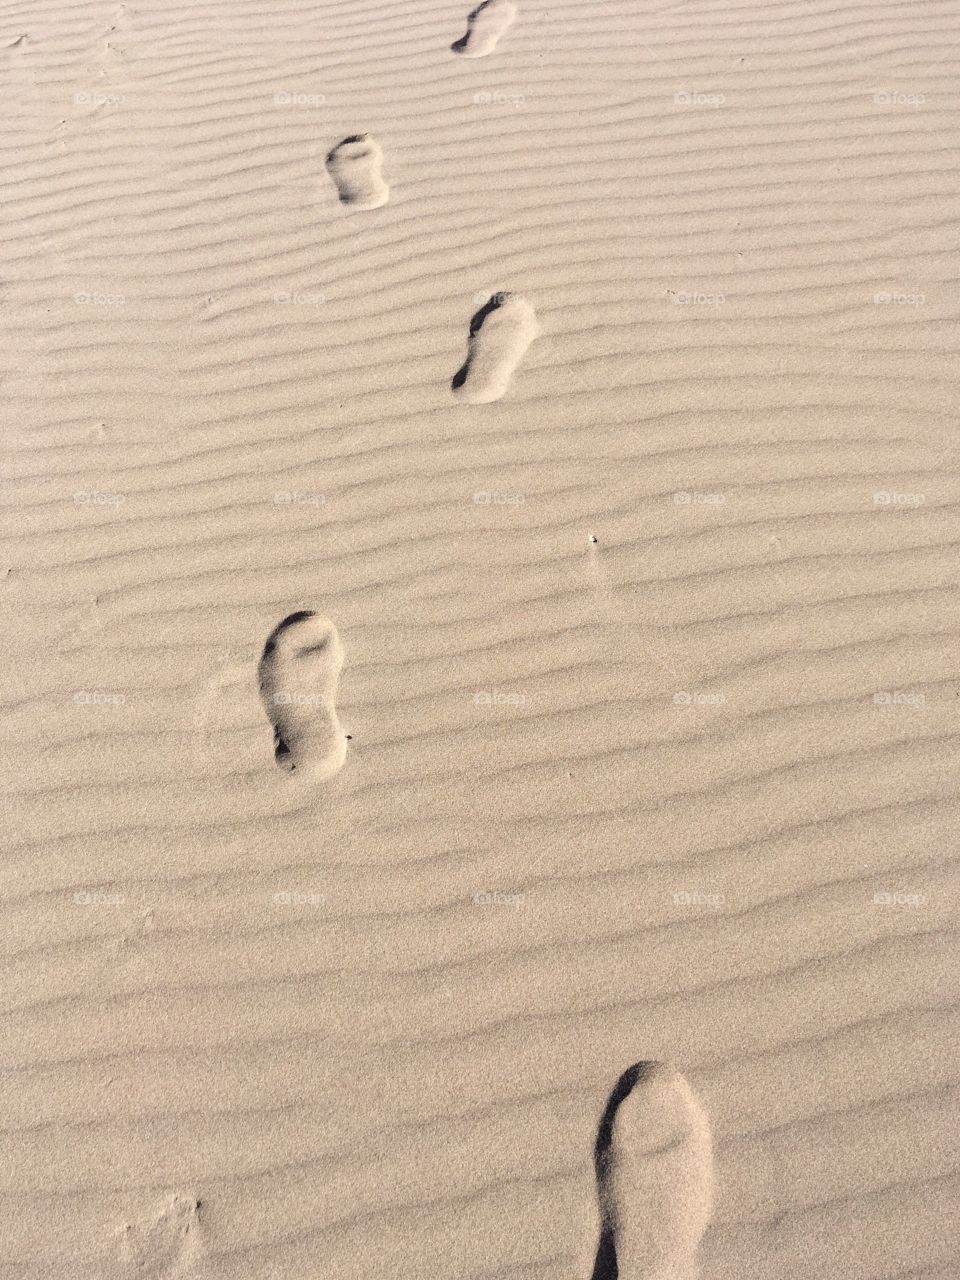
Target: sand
628	728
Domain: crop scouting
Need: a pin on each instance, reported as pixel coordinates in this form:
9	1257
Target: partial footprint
654	1165
485	25
354	165
165	1243
500	333
298	675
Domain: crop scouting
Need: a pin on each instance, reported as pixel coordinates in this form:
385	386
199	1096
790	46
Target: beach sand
588	371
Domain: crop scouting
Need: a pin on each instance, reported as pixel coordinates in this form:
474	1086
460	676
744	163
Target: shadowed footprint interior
485	25
500	333
298	675
354	165
654	1165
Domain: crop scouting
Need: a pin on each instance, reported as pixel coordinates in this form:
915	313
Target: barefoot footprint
500	333
298	675
354	165
485	25
654	1168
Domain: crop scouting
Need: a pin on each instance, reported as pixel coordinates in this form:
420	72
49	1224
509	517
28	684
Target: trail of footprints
654	1169
653	1155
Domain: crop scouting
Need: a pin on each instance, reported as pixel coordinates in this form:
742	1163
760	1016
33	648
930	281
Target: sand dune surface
480	579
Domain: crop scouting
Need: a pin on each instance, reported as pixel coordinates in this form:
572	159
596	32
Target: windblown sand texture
649	691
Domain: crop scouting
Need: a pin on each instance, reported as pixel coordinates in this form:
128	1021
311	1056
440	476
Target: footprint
298	676
163	1244
354	165
485	25
500	333
654	1164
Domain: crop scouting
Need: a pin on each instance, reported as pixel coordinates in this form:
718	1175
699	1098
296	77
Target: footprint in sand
654	1164
485	25
354	165
500	333
298	676
163	1244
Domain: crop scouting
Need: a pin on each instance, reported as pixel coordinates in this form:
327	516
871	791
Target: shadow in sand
493	303
605	1264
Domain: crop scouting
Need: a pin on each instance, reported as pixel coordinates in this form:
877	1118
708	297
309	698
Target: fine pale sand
611	716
